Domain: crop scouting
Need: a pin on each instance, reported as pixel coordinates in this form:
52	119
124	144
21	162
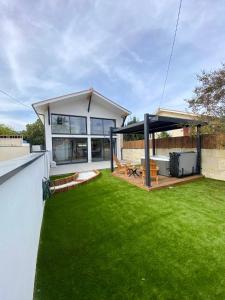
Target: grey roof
159	124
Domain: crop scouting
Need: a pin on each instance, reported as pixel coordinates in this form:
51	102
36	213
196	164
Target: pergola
151	125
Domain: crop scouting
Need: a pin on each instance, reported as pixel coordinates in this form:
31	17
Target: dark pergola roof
159	124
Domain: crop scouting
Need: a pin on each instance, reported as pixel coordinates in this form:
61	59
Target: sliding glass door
106	149
79	150
100	149
69	150
96	149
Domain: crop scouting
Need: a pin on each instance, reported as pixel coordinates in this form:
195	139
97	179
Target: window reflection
69	150
69	124
100	149
101	126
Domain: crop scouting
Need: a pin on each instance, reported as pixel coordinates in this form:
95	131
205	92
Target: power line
14	99
171	53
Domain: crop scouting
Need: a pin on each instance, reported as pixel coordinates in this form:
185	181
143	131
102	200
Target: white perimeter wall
213	160
21	210
11	152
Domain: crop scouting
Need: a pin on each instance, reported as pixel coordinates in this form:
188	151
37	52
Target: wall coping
9	168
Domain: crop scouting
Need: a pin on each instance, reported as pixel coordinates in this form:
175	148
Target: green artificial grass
108	240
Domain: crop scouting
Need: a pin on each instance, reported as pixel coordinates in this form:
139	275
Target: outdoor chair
153	172
122	168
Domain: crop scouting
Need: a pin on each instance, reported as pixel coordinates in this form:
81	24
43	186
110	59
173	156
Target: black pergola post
153	144
111	148
199	149
147	156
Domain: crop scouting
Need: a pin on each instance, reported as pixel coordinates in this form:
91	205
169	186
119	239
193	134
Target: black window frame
64	115
72	161
102	139
102	119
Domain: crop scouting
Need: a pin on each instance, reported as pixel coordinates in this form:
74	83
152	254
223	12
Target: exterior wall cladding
80	108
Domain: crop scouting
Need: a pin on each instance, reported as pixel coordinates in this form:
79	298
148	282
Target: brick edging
65	180
67	188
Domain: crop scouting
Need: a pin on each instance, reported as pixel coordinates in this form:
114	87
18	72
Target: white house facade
77	127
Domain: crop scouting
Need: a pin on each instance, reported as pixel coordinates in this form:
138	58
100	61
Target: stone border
69	182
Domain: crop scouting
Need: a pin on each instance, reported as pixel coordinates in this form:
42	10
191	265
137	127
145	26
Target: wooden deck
164	181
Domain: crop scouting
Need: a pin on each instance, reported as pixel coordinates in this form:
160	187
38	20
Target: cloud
50	48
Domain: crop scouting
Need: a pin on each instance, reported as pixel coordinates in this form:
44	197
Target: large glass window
60	124
107	124
69	150
101	126
100	149
96	126
69	124
78	125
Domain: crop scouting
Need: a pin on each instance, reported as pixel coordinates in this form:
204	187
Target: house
177	114
77	126
13	146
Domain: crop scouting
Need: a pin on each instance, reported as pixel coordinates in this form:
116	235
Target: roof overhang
166	112
41	106
159	124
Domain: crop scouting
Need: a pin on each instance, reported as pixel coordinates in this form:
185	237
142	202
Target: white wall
80	108
21	210
11	152
213	160
11	140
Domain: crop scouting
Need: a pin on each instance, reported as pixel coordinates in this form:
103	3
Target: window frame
102	119
102	139
72	161
69	133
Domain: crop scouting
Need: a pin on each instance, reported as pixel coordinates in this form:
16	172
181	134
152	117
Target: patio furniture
122	168
133	171
153	172
163	163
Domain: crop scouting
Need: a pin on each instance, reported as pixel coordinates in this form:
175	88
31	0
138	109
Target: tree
6	130
133	136
163	134
34	133
209	99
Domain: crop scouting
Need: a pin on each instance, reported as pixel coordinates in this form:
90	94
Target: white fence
21	211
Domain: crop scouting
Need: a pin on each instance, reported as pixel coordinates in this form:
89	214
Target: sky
120	48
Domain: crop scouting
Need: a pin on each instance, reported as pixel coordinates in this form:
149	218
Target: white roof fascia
60	98
56	99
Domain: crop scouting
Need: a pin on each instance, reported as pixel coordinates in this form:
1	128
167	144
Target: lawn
108	240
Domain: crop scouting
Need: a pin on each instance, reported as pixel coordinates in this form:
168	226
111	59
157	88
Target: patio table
133	171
